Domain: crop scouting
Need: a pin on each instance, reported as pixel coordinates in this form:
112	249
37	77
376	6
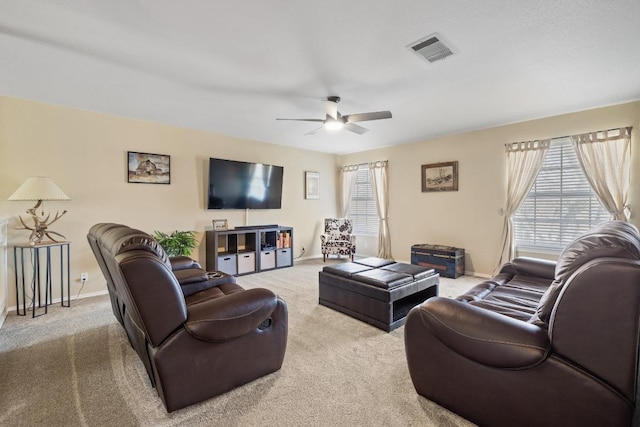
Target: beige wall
85	154
4	285
469	218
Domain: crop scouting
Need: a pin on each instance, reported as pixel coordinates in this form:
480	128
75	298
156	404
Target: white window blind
560	205
362	209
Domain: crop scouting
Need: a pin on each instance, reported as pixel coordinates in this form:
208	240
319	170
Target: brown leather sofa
540	344
193	344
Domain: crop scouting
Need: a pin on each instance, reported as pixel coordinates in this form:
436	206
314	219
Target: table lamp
39	188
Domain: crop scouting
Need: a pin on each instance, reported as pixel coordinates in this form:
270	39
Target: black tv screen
242	185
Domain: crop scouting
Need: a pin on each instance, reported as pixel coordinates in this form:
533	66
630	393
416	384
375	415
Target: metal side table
41	252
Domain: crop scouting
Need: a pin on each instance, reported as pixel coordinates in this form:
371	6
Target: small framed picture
440	177
219	224
312	185
147	168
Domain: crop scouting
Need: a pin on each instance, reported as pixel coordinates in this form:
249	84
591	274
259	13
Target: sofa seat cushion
508	303
346	269
536	285
383	278
374	262
516	296
416	271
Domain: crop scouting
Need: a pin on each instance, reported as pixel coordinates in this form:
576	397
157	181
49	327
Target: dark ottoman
377	291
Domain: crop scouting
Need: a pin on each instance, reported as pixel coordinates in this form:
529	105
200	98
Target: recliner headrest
617	239
140	241
613	239
118	240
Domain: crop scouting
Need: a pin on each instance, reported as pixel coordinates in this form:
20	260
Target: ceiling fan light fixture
333	124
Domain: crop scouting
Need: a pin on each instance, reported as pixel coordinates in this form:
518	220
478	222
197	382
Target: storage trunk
446	260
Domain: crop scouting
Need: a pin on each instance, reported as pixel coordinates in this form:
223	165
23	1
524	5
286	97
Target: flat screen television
242	185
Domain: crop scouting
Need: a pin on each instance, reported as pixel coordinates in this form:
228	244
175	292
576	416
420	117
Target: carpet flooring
74	366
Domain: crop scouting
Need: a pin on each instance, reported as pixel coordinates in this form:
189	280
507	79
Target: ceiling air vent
432	48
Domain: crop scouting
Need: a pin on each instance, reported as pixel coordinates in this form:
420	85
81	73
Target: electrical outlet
84	277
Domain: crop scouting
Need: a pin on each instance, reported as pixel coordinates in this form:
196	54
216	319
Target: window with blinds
561	204
362	209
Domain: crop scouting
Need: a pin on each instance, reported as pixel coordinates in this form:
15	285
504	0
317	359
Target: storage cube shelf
249	249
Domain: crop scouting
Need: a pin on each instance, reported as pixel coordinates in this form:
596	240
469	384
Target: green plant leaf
178	243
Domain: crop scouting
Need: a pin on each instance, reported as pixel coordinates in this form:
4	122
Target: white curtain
380	186
524	160
348	175
605	158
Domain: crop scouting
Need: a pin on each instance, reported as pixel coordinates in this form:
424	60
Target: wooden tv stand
249	250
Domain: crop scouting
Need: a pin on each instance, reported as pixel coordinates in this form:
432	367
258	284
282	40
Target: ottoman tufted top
374	262
345	269
383	278
418	272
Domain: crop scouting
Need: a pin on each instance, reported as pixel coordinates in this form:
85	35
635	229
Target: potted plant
178	243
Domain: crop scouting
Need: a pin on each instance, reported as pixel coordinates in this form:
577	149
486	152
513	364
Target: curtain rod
593	131
569	136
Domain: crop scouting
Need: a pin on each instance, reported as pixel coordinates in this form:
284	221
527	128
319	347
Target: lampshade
39	188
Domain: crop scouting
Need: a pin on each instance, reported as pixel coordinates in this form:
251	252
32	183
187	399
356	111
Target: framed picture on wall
440	177
311	185
147	168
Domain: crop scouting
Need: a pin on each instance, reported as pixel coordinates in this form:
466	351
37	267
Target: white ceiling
232	67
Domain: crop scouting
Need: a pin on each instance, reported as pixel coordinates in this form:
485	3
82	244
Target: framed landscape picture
147	168
440	177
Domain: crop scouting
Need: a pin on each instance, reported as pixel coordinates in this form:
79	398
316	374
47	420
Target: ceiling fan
334	120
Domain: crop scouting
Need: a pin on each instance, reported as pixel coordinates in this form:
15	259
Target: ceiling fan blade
355	128
332	108
314	131
363	117
305	120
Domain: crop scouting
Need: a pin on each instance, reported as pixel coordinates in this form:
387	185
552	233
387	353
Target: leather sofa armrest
534	267
183	263
231	316
190	275
481	335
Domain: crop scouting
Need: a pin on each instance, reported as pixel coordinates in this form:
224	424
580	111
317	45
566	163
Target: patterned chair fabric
337	238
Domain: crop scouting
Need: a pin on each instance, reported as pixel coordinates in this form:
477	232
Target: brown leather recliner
188	272
540	344
193	346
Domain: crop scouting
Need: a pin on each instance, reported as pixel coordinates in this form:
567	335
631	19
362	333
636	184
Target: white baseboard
3	317
307	258
481	275
57	300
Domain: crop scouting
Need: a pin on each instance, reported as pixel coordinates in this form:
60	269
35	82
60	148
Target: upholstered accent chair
338	238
